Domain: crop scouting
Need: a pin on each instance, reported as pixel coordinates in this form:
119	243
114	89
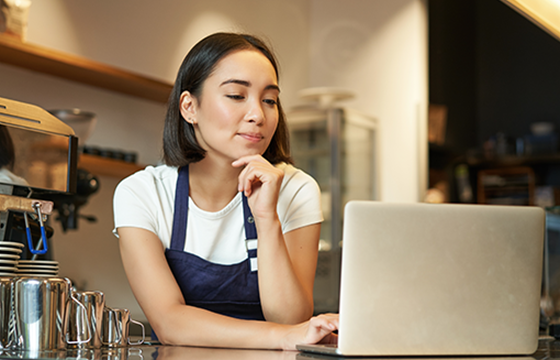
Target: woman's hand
286	262
318	330
260	181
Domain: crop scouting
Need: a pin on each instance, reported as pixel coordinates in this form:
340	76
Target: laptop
439	279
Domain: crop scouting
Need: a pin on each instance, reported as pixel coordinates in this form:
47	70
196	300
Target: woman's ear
187	106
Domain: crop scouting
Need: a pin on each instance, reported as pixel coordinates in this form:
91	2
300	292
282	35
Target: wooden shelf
98	165
506	186
82	70
512	160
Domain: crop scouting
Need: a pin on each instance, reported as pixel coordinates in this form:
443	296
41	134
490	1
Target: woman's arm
286	262
175	323
286	265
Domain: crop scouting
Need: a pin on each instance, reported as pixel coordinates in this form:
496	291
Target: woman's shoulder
151	176
299	201
295	176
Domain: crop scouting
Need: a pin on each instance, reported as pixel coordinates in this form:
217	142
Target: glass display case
337	147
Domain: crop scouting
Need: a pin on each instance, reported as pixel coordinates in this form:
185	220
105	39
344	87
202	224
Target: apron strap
250	228
180	215
250	234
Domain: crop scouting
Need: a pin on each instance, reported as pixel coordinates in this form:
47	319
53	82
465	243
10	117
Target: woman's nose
255	112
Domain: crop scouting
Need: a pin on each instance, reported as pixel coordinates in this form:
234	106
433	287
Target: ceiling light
544	13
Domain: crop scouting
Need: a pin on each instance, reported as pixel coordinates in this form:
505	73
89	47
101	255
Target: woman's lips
252	137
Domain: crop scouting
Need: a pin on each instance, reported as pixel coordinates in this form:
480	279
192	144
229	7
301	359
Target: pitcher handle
12	331
139	342
74	342
16	340
13	340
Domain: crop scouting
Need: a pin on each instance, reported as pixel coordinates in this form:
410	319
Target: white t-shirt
146	200
6	176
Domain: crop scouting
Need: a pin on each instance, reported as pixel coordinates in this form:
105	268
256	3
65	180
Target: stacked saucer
9	256
46	268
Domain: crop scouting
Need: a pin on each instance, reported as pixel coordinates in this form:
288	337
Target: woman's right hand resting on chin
317	330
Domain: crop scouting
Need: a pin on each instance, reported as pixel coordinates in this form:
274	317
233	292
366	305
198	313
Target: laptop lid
440	279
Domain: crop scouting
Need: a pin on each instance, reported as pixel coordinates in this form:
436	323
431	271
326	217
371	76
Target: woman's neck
212	186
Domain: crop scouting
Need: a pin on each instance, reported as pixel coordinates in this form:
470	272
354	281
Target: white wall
152	38
376	48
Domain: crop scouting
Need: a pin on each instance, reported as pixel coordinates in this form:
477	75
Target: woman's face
237	113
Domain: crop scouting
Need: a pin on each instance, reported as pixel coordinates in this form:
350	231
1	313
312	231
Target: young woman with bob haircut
188	229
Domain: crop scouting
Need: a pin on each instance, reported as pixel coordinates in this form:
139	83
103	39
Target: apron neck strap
250	228
180	214
181	211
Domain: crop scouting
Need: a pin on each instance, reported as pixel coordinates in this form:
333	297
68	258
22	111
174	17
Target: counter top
548	349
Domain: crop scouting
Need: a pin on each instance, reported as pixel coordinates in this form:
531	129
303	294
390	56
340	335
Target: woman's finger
257	171
321	328
242	161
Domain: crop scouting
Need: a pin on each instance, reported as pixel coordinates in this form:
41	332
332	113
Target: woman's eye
235	97
271	102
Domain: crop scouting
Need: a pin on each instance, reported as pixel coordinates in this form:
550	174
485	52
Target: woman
7	159
188	229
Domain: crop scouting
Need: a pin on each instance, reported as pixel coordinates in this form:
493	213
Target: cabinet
514	180
507	186
337	147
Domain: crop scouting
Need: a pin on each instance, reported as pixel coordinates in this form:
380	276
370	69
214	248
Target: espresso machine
38	177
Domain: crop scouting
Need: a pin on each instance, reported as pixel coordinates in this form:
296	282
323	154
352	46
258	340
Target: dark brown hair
7	155
180	146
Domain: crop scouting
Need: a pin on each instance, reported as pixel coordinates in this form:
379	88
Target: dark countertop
548	349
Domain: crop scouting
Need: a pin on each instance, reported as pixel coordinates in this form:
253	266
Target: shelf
311	153
82	70
107	167
512	160
507	186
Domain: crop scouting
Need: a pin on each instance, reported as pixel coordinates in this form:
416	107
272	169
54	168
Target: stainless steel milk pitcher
116	323
41	313
94	303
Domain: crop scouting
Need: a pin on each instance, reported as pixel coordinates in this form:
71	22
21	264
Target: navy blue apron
231	290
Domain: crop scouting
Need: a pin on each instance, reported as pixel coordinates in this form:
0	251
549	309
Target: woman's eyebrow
236	81
272	87
248	84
